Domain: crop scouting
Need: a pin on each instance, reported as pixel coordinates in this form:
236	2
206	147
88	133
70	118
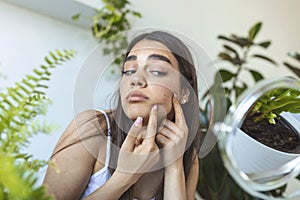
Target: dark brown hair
190	109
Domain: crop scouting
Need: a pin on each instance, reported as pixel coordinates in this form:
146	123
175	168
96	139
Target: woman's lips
137	96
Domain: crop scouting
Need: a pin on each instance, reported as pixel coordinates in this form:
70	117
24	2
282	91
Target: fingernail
138	122
155	107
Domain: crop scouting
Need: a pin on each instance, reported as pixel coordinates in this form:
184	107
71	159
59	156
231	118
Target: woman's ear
185	94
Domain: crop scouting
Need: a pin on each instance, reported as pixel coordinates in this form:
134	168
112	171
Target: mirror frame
234	120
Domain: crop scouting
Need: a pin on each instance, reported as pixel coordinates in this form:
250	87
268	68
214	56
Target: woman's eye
158	73
128	72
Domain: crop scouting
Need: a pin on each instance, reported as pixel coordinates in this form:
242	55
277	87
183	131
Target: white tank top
100	177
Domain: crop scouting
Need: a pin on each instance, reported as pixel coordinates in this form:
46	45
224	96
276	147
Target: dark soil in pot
280	136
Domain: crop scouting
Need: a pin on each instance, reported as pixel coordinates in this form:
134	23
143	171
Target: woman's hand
173	137
139	157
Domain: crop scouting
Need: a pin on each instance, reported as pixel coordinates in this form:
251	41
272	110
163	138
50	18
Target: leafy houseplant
109	23
271	105
214	181
240	56
268	108
20	109
278	100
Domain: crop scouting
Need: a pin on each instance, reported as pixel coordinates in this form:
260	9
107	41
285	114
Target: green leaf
37	72
294	55
264	44
12	94
59	53
28	84
226	57
256	75
228	103
43	86
44	67
53	56
30	77
229	48
285	104
264	58
47	73
110	8
23	88
76	17
271	117
48	60
242	42
45	78
226	75
240	90
254	31
294	69
137	14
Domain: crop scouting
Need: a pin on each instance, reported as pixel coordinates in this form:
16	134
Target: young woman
145	148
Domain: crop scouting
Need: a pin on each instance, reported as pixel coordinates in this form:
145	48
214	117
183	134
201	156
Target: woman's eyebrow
129	58
159	57
150	57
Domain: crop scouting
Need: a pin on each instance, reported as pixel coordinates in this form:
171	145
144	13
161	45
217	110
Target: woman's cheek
167	101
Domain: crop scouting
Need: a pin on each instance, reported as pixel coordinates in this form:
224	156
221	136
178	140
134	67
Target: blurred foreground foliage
21	109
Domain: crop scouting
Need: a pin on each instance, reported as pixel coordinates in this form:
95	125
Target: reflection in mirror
260	142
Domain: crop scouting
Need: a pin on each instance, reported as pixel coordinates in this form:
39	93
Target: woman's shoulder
89	117
91	114
91	121
86	126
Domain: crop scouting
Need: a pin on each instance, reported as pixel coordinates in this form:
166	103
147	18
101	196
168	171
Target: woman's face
150	76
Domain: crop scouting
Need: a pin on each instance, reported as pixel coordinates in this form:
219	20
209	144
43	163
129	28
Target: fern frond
20	105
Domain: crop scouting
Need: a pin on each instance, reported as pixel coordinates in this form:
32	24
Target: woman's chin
144	112
133	114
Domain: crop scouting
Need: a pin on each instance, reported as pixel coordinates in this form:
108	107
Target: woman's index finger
152	124
131	137
179	115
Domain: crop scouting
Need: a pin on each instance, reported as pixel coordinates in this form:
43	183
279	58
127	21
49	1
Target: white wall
204	20
26	37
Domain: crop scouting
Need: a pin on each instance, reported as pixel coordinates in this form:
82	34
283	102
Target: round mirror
259	139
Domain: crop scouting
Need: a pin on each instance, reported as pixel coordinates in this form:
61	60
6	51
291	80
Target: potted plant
269	137
269	134
271	127
109	23
214	180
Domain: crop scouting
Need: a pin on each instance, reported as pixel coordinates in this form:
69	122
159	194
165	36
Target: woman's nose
138	81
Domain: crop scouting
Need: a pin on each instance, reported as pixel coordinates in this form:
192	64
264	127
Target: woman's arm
68	175
133	160
76	162
175	186
76	165
72	162
173	138
174	181
74	159
192	179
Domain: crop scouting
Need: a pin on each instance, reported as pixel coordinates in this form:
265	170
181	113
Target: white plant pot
252	156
